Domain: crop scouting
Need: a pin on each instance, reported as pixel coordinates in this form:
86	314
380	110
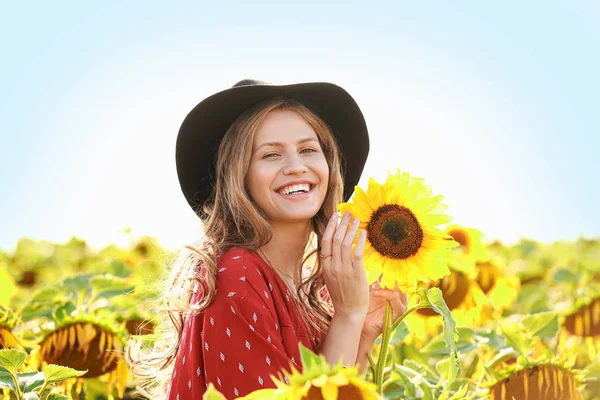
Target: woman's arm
364	348
346	281
342	339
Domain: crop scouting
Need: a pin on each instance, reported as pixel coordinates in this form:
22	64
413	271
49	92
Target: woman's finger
395	298
338	238
347	243
326	240
359	251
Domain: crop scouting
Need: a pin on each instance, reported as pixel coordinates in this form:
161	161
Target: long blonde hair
232	219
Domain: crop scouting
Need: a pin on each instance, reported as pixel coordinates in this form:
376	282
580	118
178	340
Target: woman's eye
270	155
308	150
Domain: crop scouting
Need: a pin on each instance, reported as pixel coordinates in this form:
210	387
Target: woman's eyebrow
279	144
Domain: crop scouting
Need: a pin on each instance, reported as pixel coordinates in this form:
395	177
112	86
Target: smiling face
288	174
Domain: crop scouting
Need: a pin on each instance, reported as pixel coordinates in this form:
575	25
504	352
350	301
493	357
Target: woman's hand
373	326
344	272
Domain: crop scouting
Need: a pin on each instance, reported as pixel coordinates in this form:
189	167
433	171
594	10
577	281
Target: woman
265	167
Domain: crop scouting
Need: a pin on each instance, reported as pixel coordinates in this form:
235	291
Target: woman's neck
286	249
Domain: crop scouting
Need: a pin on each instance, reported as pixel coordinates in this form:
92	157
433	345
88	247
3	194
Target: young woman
264	167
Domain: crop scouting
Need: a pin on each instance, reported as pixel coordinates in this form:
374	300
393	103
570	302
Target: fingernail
347	215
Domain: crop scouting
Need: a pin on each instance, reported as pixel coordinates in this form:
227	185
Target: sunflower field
495	321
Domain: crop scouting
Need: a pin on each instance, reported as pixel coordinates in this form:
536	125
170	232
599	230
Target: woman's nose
294	165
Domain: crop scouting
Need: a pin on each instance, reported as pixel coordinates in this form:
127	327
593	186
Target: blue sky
494	104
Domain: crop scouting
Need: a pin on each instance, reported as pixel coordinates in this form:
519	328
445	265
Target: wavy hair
232	219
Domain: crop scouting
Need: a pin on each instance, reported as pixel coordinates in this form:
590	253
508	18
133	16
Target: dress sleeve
242	345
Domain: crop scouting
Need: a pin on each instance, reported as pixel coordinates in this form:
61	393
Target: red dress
249	332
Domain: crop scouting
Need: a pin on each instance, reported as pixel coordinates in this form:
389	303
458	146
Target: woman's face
288	174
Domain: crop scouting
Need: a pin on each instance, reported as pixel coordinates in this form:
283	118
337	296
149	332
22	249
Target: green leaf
492	339
6	380
466	342
48	294
31	396
58	373
28	381
544	324
62	312
108	286
310	360
43	302
424	300
516	339
397	388
450	335
57	396
78	284
119	268
460	394
212	393
399	334
12	359
565	275
413	381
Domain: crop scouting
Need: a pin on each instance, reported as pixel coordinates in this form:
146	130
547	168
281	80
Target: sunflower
8	286
87	345
581	331
403	244
502	290
464	298
8	340
139	326
469	239
318	381
8	320
542	381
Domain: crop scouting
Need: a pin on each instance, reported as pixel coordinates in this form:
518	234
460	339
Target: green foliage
74	283
30	385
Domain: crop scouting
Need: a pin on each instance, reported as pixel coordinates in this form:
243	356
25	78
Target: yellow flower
403	244
8	340
581	332
464	298
318	381
501	289
86	345
344	384
470	242
544	381
8	287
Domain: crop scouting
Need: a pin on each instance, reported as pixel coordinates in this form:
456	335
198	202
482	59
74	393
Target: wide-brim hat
204	127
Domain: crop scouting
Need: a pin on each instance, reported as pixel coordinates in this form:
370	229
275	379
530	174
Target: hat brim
204	127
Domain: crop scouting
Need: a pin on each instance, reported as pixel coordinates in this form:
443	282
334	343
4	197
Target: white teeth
304	187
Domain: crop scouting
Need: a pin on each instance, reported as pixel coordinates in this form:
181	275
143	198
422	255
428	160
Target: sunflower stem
371	363
406	313
385	343
17	387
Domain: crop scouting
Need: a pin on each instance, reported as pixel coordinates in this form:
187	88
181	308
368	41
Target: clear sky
496	104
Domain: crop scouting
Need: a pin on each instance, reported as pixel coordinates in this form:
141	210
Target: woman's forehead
283	127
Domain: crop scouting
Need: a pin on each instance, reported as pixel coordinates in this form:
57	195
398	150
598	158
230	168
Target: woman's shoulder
239	258
239	267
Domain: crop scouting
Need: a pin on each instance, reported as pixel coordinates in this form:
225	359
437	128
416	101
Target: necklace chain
277	270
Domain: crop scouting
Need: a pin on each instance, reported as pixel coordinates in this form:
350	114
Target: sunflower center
586	321
395	232
487	275
346	392
540	382
454	287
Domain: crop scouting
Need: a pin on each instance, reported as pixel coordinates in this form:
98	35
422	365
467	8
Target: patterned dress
249	332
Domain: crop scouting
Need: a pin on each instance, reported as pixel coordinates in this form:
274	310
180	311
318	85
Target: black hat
204	127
